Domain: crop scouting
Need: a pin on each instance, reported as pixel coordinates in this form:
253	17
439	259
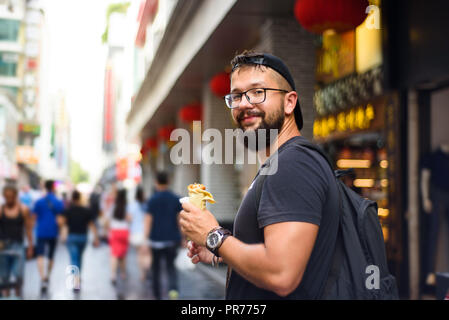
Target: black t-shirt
438	164
303	189
78	219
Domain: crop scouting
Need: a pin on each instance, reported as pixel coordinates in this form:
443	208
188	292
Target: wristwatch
215	239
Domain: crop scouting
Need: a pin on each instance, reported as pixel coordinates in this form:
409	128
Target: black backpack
359	267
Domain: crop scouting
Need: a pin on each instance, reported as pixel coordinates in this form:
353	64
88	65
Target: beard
269	122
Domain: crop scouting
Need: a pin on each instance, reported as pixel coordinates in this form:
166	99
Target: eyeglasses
254	96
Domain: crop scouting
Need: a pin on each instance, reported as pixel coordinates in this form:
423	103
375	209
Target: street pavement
195	282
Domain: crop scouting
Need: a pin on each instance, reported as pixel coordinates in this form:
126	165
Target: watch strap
225	233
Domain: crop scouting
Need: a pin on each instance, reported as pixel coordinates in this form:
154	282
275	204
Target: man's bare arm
147	224
29	223
277	265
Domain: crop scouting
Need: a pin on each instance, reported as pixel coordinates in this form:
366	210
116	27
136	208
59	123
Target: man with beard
280	245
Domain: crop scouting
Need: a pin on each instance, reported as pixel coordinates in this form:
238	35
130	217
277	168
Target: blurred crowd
33	223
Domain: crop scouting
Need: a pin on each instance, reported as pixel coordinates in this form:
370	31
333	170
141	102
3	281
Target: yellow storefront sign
359	118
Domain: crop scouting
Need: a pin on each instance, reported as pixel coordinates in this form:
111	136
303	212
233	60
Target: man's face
266	115
10	197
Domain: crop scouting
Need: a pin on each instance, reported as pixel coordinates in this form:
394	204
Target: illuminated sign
34	129
26	155
359	118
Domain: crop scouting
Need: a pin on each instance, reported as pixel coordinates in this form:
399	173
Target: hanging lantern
318	16
191	112
151	143
220	84
164	132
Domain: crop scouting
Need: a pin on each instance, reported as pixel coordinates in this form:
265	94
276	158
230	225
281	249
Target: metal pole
413	192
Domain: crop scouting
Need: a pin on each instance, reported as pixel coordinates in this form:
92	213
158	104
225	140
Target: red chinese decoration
220	84
317	16
147	12
150	143
121	169
164	132
191	112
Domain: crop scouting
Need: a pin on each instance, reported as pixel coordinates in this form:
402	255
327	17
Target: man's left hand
196	223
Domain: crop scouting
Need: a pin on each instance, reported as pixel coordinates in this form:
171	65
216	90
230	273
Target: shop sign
30	128
336	57
128	168
359	118
26	155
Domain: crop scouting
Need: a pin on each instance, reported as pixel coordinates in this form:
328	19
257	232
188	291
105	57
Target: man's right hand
199	253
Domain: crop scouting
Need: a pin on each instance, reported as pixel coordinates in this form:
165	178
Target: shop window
9	30
8	64
13	91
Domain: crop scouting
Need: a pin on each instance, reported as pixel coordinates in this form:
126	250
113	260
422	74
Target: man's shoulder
174	195
53	199
296	156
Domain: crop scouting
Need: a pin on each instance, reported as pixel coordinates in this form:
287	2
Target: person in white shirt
136	209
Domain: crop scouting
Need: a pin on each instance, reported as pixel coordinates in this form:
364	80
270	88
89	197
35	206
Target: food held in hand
198	195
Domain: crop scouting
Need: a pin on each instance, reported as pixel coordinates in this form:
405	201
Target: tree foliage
77	173
122	8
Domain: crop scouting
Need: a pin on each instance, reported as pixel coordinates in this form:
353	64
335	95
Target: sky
75	67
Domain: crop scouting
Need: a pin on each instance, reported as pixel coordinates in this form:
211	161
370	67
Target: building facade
371	95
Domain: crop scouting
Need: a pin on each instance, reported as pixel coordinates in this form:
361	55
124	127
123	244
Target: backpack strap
334	270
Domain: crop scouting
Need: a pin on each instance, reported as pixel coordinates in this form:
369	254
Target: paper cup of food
184	200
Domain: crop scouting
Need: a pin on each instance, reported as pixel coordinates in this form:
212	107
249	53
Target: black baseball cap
279	66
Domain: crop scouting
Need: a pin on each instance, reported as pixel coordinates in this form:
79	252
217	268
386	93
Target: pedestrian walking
95	202
15	222
77	219
26	197
65	200
136	209
118	229
45	212
279	249
107	200
162	228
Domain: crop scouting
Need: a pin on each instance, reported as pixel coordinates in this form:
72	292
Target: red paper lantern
151	143
220	84
164	132
191	112
317	16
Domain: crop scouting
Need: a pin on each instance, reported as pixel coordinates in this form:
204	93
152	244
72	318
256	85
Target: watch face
213	240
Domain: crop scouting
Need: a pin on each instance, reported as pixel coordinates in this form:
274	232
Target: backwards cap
276	64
